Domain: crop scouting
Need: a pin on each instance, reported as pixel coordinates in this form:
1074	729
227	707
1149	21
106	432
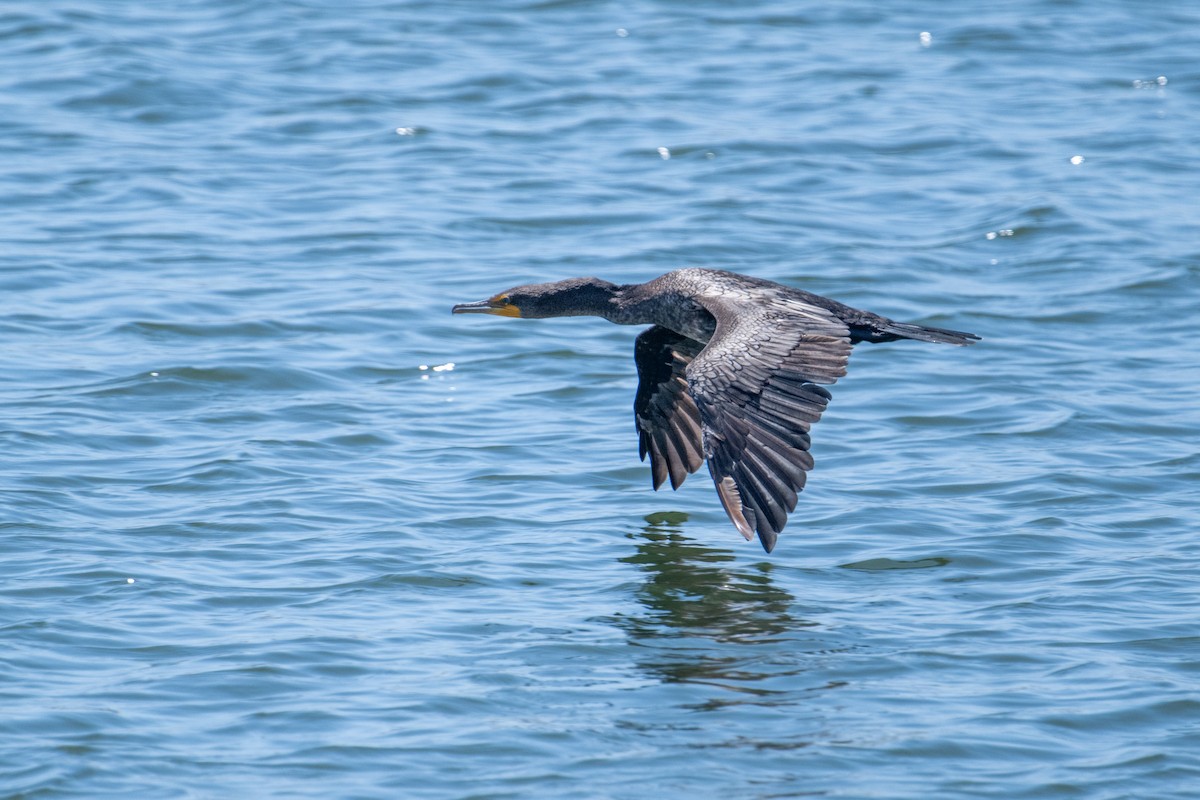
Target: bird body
730	372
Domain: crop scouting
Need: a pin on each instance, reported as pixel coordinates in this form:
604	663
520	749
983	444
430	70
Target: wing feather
755	386
668	421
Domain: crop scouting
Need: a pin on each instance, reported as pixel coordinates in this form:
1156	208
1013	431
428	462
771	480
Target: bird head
570	298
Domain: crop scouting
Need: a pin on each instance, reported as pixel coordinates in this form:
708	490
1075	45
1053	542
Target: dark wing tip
768	539
744	517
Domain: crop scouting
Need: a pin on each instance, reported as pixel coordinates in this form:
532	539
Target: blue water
274	524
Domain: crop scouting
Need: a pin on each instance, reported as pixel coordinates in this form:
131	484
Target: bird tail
925	333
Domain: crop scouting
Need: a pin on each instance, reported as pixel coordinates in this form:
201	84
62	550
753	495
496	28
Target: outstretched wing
755	386
668	421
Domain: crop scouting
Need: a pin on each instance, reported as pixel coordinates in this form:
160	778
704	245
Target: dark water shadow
708	619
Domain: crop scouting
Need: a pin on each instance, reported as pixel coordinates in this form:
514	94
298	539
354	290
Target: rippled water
275	524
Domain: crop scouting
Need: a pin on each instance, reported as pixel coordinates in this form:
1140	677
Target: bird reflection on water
710	621
689	590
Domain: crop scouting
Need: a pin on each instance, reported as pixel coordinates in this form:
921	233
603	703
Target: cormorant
728	374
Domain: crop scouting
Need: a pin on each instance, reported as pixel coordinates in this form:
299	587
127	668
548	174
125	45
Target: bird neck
626	306
635	304
581	297
654	303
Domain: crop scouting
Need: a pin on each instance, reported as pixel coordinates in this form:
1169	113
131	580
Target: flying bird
729	373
